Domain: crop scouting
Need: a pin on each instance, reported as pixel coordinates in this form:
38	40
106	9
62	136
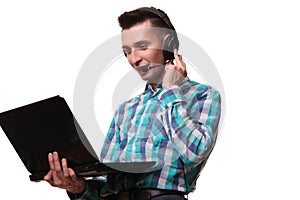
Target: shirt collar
149	87
159	86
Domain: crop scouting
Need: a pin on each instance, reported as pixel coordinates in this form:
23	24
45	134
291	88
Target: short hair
157	17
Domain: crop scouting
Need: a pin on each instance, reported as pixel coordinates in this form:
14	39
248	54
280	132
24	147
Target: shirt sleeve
111	149
92	191
113	146
191	121
100	188
111	152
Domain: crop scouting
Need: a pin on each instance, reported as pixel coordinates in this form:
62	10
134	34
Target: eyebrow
137	43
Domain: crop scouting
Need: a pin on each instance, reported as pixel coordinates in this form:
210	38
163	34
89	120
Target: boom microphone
146	68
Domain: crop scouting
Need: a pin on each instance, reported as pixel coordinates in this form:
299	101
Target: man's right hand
63	177
175	73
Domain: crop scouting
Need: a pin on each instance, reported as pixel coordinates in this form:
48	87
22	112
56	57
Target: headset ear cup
170	44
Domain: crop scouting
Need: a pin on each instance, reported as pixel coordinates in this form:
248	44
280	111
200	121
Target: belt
144	194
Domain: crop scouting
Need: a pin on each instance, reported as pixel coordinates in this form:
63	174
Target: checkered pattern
176	127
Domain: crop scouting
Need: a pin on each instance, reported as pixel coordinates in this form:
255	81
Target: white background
254	45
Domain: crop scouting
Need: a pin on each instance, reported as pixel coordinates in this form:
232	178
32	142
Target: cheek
155	55
128	60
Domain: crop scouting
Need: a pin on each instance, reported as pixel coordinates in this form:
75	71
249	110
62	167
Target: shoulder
192	87
128	103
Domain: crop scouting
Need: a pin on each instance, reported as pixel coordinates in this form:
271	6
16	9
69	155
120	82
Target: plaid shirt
176	127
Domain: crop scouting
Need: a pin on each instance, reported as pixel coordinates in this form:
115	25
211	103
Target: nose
134	57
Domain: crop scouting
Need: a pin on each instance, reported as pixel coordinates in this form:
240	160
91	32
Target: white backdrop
254	45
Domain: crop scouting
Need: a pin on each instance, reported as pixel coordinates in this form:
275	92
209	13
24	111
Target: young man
173	122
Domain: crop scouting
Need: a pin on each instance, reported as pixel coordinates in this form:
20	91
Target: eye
126	50
142	46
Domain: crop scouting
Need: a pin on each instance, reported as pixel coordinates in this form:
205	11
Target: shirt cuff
79	196
75	196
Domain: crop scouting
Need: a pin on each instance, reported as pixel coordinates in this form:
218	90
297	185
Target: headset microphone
146	68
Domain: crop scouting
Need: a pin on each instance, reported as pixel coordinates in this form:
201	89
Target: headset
171	41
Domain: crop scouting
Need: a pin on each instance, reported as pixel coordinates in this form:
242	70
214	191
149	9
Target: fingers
61	176
72	175
65	167
50	160
68	172
52	165
180	65
56	162
48	176
56	169
178	59
57	173
176	55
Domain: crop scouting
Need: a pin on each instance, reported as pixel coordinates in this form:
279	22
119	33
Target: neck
154	86
158	80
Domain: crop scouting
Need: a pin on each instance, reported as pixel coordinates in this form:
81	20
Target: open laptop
45	126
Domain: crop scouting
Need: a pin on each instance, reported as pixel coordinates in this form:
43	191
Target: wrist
79	189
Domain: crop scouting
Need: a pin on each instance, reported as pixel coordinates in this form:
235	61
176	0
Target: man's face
143	47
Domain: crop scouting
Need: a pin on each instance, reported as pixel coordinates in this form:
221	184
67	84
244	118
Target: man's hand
63	177
174	73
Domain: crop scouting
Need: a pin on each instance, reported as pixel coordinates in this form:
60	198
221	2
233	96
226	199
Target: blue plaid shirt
176	127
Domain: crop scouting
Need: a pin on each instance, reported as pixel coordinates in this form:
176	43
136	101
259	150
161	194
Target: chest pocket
145	137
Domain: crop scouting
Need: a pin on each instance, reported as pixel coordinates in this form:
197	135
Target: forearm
192	125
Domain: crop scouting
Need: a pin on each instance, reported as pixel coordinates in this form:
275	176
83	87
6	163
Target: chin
144	77
149	77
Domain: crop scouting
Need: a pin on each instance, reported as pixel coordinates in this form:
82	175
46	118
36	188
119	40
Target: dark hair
157	17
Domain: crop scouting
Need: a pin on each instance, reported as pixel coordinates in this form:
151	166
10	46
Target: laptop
49	125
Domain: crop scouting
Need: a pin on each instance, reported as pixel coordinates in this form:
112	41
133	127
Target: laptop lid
37	129
45	126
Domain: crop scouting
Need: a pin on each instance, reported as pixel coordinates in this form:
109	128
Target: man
173	122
